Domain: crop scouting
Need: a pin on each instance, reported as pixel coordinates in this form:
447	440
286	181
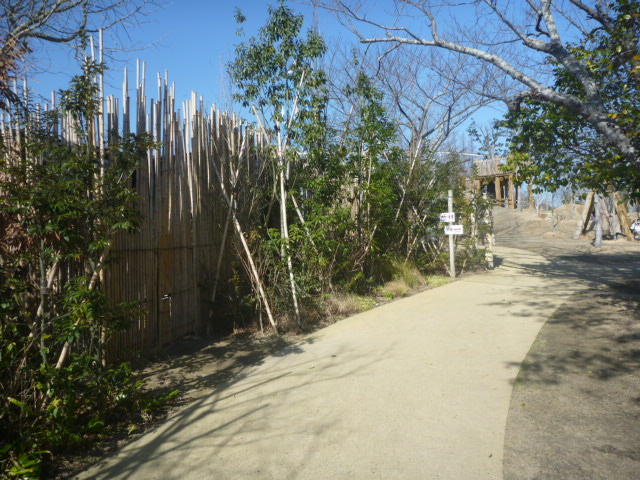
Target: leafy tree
553	146
369	141
353	204
276	76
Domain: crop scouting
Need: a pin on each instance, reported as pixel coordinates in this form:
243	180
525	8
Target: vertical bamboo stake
101	102
100	140
125	104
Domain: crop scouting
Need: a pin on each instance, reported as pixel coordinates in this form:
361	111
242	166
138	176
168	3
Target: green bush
60	207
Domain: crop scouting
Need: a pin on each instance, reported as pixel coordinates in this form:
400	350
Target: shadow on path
250	398
575	407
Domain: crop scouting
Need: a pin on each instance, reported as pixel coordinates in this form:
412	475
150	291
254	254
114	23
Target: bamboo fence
192	187
180	254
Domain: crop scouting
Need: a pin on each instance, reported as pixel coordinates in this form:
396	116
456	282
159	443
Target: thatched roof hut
490	166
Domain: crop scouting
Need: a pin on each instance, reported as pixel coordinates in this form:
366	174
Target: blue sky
193	40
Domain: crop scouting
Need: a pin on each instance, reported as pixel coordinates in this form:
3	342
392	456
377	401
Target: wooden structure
495	182
194	189
613	212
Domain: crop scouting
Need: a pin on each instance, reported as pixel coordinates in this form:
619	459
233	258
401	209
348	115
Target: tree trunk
284	225
597	241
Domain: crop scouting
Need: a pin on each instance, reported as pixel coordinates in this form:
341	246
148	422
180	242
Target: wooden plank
583	221
623	215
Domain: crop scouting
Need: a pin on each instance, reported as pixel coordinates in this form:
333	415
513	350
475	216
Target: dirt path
420	388
575	408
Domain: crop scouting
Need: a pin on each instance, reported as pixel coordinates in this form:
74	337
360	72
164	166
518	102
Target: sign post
452	253
451	230
447	217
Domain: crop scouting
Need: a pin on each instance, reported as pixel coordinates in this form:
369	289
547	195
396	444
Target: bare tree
25	22
428	100
427	106
512	38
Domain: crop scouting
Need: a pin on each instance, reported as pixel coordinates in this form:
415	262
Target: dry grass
345	304
406	278
394	288
435	281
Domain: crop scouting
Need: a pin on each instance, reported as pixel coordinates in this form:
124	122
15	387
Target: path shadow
194	363
237	405
603	312
576	400
596	333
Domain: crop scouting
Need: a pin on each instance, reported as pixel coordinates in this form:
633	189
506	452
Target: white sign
448	217
453	229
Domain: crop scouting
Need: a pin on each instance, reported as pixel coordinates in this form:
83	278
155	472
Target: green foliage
276	67
355	203
475	213
61	205
553	147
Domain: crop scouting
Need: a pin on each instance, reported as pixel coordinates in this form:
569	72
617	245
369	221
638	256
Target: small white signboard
453	230
448	217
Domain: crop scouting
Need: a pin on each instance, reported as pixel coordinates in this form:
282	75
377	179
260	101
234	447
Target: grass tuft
345	304
438	280
406	277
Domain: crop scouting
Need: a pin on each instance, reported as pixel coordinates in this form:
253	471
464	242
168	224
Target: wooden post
498	183
452	253
623	215
512	193
489	240
583	222
519	198
597	242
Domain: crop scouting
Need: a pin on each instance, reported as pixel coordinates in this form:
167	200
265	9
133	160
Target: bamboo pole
101	102
254	271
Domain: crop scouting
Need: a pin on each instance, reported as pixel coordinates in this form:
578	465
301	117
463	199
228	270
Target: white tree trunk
284	225
597	241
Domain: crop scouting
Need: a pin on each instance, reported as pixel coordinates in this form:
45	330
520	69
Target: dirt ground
575	407
195	366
